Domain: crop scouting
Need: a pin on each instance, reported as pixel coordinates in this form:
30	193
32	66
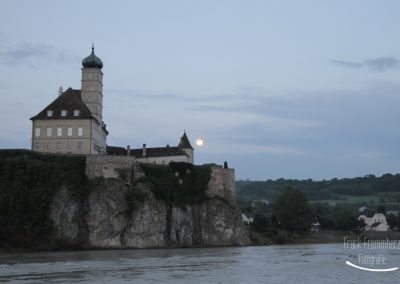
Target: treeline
290	215
322	190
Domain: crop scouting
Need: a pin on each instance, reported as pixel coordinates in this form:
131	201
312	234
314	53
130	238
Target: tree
291	210
260	223
392	220
345	218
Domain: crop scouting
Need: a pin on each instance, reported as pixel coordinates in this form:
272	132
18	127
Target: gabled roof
184	142
376	224
150	152
70	100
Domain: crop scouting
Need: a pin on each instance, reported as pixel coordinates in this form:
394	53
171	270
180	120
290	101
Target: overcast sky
292	89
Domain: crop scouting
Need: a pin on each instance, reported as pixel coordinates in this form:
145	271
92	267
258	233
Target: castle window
69	133
59	131
69	145
37	131
48	145
36	145
80	131
58	145
76	112
49	113
79	145
63	113
48	132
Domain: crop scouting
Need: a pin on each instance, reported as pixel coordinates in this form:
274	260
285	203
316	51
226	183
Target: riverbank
293	237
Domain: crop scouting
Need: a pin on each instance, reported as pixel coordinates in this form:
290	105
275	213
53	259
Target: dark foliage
291	210
28	182
179	183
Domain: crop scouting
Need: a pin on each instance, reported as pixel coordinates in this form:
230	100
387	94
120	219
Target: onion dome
92	61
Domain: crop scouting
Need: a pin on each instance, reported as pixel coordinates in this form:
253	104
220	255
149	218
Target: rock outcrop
105	220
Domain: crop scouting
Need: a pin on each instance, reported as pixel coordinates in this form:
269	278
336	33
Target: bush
178	183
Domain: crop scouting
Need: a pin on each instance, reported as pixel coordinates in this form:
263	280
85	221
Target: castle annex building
73	124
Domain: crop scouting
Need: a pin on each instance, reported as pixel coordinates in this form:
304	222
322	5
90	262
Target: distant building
259	202
247	218
315	227
72	123
375	222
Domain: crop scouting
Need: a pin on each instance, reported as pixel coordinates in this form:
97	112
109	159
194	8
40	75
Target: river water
266	264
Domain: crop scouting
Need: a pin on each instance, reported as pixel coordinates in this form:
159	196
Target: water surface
267	264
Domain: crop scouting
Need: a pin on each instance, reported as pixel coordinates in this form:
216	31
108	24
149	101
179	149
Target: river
324	263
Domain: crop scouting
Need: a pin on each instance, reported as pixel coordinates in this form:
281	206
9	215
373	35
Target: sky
278	89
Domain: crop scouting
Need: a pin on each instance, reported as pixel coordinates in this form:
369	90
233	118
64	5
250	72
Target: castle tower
92	85
185	145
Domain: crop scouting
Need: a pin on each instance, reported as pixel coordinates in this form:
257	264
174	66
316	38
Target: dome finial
92	61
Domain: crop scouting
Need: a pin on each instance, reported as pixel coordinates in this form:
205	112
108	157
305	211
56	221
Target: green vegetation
178	183
361	191
291	210
289	219
28	182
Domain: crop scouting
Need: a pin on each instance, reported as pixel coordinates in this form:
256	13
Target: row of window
49	131
59	145
63	113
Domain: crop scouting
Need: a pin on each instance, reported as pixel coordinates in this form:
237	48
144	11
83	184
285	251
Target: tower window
59	131
76	112
37	131
49	113
63	113
48	132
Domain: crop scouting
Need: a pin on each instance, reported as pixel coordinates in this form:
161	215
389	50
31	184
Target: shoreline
258	239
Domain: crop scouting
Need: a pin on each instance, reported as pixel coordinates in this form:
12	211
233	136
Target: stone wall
109	166
222	183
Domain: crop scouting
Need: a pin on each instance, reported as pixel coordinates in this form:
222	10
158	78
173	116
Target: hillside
360	191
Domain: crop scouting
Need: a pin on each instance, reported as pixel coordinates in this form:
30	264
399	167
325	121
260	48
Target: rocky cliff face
105	220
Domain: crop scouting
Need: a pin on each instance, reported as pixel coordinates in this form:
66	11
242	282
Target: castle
73	124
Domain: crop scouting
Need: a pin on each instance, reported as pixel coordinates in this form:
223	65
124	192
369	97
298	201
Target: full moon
199	142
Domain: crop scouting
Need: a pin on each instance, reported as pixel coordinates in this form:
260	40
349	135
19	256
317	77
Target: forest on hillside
368	190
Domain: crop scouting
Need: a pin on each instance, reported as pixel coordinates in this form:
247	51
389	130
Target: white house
375	223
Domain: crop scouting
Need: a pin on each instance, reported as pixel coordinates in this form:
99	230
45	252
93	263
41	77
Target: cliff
133	207
105	220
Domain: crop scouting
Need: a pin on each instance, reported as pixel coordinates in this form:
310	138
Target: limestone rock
147	226
107	218
64	211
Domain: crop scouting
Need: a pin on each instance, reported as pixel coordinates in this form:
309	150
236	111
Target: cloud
374	64
29	53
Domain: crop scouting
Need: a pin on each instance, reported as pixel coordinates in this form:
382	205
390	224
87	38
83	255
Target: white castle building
73	124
